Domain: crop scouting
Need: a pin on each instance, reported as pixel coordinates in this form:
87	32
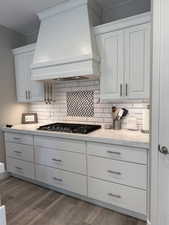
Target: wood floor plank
29	204
57	213
34	210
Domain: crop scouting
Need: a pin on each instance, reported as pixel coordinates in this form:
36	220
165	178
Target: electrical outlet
51	115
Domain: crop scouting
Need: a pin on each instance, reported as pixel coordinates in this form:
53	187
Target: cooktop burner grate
70	128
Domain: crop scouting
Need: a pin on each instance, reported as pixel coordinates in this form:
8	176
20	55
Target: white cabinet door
61	179
125	69
21	78
111	47
35	89
27	90
118	195
137	62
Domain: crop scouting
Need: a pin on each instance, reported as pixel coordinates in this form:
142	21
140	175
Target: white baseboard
3	175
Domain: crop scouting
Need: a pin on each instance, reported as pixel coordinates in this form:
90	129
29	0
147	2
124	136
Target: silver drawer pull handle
115	153
57	160
114	196
17	152
57	179
18	168
15	138
114	172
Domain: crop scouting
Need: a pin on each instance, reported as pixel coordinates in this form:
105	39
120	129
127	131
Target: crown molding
123	23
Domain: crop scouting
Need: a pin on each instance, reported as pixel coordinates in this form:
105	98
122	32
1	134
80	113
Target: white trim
123	23
148	222
155	111
24	49
2	215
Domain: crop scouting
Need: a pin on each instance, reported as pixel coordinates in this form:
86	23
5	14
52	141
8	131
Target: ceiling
21	15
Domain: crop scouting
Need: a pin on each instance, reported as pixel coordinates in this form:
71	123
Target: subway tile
103	110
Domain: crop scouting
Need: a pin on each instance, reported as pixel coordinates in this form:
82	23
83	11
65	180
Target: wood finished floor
28	204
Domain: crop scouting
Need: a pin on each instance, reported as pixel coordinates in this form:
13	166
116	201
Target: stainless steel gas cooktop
70	128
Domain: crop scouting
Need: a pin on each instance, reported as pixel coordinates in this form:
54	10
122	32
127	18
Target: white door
111	45
160	122
137	62
164	118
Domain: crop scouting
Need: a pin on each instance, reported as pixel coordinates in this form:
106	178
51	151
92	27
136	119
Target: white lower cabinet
20	151
111	174
19	138
117	195
70	161
60	144
118	172
61	179
117	152
21	168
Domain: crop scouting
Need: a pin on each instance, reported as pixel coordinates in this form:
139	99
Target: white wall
10	110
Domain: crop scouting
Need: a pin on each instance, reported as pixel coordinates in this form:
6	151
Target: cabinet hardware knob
17	139
26	93
18	152
29	94
57	179
126	89
121	90
19	168
114	172
164	150
57	160
114	196
115	153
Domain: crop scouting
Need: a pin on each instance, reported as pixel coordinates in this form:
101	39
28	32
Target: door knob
164	150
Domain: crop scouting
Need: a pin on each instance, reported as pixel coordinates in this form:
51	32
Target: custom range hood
66	46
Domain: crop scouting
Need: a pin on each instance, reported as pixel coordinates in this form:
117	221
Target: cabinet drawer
70	161
19	138
131	174
118	195
61	179
19	151
123	153
60	144
21	168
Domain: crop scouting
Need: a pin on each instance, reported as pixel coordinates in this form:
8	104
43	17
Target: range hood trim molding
62	7
89	68
63	62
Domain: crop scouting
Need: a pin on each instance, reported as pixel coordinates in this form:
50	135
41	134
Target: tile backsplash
58	110
80	103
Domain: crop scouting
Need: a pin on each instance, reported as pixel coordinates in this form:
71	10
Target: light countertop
120	137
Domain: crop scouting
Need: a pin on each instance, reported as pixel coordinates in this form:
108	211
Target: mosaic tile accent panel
80	104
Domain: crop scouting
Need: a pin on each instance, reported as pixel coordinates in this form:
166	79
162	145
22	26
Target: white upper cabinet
27	90
112	60
125	52
137	61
